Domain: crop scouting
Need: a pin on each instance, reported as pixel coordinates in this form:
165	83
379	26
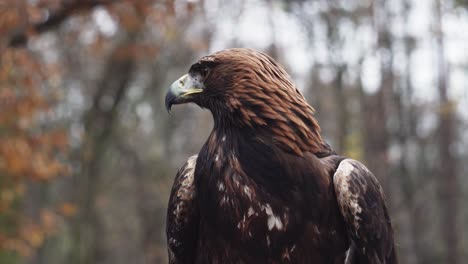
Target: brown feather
261	93
266	188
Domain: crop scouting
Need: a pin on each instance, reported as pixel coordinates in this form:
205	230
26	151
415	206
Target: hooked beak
182	91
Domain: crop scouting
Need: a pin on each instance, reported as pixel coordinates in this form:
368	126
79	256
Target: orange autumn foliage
30	150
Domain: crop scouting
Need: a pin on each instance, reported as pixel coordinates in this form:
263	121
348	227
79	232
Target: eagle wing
362	205
182	215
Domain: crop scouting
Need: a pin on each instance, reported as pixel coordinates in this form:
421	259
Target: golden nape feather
263	96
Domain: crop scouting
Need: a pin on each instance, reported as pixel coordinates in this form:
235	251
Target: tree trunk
342	112
448	185
99	123
376	112
408	174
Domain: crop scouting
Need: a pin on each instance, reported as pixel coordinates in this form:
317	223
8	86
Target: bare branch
55	19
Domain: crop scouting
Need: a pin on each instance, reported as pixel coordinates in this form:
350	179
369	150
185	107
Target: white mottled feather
346	198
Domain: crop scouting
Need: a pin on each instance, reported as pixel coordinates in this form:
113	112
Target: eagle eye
204	71
201	68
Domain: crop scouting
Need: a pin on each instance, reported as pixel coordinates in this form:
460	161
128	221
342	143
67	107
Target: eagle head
244	88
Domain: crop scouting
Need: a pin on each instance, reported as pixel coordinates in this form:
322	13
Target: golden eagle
265	187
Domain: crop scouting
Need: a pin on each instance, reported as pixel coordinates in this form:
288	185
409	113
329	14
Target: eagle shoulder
362	205
182	215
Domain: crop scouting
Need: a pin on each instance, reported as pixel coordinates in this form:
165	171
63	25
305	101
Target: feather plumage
265	187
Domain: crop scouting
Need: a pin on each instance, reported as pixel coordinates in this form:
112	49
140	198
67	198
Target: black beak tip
170	98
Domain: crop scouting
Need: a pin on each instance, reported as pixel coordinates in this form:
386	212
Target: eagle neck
225	134
295	133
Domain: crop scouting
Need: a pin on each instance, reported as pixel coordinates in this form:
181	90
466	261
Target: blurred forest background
88	153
